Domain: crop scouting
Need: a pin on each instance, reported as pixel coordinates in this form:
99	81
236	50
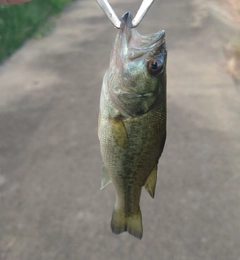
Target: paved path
51	207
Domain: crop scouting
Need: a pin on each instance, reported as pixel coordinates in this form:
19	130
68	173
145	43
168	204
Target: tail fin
131	224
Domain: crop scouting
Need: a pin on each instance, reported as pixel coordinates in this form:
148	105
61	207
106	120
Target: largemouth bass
132	121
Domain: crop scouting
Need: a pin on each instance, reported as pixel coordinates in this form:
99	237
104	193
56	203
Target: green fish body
132	121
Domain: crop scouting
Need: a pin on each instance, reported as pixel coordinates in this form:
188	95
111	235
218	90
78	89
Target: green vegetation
19	22
44	30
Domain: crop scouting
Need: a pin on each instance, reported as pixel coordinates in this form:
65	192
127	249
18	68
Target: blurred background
53	55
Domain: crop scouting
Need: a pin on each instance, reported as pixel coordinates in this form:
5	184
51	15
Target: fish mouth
136	45
126	22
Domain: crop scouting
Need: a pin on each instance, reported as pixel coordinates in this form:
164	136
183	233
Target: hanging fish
132	121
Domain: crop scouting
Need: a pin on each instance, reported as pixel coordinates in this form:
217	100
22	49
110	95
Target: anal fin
106	179
150	184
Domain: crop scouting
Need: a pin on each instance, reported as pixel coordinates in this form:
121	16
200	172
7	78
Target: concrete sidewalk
51	207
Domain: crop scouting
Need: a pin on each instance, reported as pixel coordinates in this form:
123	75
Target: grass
19	22
44	30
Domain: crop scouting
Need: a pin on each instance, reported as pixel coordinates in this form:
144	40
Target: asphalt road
51	207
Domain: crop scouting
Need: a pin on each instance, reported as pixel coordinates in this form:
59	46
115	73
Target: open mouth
147	41
137	44
140	45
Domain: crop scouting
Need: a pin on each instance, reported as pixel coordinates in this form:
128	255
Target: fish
132	121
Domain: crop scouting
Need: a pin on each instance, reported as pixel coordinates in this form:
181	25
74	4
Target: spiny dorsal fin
150	184
105	178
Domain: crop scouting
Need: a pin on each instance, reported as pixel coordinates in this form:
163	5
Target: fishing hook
107	9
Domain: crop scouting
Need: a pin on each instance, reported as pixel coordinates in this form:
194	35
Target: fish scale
132	121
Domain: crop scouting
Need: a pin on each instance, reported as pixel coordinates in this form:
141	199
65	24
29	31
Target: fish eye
155	66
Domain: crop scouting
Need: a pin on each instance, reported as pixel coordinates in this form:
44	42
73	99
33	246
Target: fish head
137	71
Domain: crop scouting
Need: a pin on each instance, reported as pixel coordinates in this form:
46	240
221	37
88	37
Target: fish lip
151	44
130	44
125	28
159	38
126	21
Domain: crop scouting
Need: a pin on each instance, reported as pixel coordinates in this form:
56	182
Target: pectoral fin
105	178
150	184
119	132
